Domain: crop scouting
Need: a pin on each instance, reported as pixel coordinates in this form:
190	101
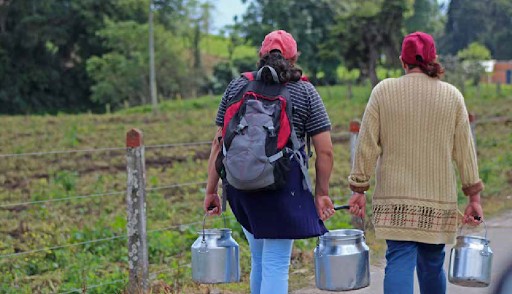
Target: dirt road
500	234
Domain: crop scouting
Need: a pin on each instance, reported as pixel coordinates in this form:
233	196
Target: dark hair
433	69
286	71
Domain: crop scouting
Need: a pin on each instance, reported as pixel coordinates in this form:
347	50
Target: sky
224	12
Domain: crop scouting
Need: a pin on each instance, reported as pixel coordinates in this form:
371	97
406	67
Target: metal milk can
215	257
471	261
342	261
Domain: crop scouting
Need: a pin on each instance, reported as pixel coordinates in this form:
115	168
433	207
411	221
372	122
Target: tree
121	76
44	46
468	21
40	60
426	17
486	21
472	56
475	51
366	30
307	20
500	36
4	9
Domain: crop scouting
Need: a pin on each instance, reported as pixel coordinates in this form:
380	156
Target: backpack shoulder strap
238	95
256	75
275	77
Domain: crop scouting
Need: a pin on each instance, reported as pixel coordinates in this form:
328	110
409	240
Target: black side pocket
281	171
219	166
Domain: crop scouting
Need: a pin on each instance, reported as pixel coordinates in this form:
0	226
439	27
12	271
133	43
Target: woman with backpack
412	129
272	218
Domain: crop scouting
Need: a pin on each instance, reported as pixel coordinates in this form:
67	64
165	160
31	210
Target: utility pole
152	78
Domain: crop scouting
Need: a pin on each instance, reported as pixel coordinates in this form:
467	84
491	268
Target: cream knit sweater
414	128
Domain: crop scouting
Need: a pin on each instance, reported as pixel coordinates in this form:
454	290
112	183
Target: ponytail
286	71
432	69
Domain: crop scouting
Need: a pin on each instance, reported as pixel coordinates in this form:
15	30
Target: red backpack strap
305	79
249	75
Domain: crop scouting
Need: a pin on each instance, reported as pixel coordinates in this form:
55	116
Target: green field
34	177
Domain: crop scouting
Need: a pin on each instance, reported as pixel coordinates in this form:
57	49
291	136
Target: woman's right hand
357	204
324	207
473	209
212	204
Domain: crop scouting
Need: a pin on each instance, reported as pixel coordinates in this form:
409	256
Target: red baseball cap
279	40
418	48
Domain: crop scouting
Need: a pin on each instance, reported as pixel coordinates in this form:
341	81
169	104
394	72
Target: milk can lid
473	238
343	234
215	231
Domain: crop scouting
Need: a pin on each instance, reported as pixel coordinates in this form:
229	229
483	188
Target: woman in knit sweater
413	128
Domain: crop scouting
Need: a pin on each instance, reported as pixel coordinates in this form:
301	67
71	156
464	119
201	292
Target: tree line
81	55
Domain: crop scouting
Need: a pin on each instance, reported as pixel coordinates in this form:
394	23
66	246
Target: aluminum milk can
471	261
342	261
215	257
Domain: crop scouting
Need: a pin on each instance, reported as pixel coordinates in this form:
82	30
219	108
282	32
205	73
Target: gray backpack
259	140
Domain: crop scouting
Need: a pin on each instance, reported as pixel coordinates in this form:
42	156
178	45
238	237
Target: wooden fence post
136	212
472	124
354	132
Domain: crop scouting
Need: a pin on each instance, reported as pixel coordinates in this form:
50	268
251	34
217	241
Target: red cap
279	40
418	48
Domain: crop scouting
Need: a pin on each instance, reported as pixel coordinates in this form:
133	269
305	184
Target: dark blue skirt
287	213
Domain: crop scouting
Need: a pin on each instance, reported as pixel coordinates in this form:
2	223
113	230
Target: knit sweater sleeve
464	153
368	147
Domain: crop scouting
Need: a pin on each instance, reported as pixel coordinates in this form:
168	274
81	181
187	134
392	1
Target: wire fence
153	277
97	195
180	226
61	199
47	249
86	288
183	144
184	226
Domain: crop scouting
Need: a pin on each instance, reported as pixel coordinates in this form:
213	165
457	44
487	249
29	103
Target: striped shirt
309	115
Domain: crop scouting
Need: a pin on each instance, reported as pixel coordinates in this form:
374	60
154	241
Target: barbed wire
61	152
80	290
181	226
153	274
152	277
61	199
175	186
99	195
178	226
178	145
63	246
101	149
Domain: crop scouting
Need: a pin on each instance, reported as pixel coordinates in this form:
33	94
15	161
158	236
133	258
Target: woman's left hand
324	207
357	204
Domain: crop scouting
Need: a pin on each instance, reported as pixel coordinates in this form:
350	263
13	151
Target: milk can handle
476	218
347	207
204	222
